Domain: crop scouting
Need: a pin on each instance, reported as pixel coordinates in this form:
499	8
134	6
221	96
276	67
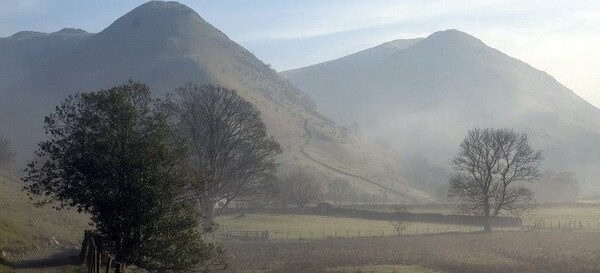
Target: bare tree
488	169
399	225
7	154
231	155
338	190
300	188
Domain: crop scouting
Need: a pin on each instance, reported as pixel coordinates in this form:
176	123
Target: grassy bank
25	228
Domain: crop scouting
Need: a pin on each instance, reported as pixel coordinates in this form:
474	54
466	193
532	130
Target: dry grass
289	226
498	252
26	228
381	269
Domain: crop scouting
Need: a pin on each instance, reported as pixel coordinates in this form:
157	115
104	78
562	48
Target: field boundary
436	218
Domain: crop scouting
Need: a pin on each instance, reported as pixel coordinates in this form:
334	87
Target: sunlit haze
559	37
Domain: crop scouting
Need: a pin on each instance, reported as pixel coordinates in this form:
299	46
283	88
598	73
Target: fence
433	218
93	256
561	224
238	233
411	229
247	235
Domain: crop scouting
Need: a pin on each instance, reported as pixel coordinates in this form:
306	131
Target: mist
160	143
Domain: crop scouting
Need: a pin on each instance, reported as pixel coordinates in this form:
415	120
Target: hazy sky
559	37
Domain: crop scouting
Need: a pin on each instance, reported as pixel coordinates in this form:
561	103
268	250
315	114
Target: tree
338	190
489	169
111	154
231	155
301	188
397	223
7	154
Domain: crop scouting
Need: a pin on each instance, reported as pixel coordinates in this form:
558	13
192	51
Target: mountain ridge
168	44
424	97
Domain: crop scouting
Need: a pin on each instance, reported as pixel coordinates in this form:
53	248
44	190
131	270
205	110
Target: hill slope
25	228
422	95
166	44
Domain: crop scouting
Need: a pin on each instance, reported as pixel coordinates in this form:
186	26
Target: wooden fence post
109	264
99	262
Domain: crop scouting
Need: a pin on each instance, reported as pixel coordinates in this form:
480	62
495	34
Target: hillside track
342	172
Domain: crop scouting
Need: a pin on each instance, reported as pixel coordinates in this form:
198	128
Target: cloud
333	18
14	8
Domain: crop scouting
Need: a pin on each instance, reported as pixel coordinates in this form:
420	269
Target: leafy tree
338	190
231	155
7	154
110	153
301	188
488	170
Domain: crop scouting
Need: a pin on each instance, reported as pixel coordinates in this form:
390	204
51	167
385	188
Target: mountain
166	44
422	95
25	51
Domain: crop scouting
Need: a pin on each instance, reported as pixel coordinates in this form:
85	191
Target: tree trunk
208	215
488	225
121	264
121	267
487	228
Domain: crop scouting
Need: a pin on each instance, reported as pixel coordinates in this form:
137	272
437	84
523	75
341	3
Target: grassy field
564	252
553	215
25	228
381	269
429	248
320	227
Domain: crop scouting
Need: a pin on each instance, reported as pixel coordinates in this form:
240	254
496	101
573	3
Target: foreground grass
25	228
381	269
498	252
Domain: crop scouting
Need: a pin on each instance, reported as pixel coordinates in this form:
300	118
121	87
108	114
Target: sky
559	37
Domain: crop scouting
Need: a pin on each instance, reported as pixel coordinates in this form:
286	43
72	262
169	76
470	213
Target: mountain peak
453	37
157	18
26	34
70	31
160	27
164	6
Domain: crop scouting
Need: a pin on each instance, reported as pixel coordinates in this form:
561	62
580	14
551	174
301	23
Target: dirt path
47	262
341	171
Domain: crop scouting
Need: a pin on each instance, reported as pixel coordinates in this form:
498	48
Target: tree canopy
488	171
300	188
231	155
111	154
